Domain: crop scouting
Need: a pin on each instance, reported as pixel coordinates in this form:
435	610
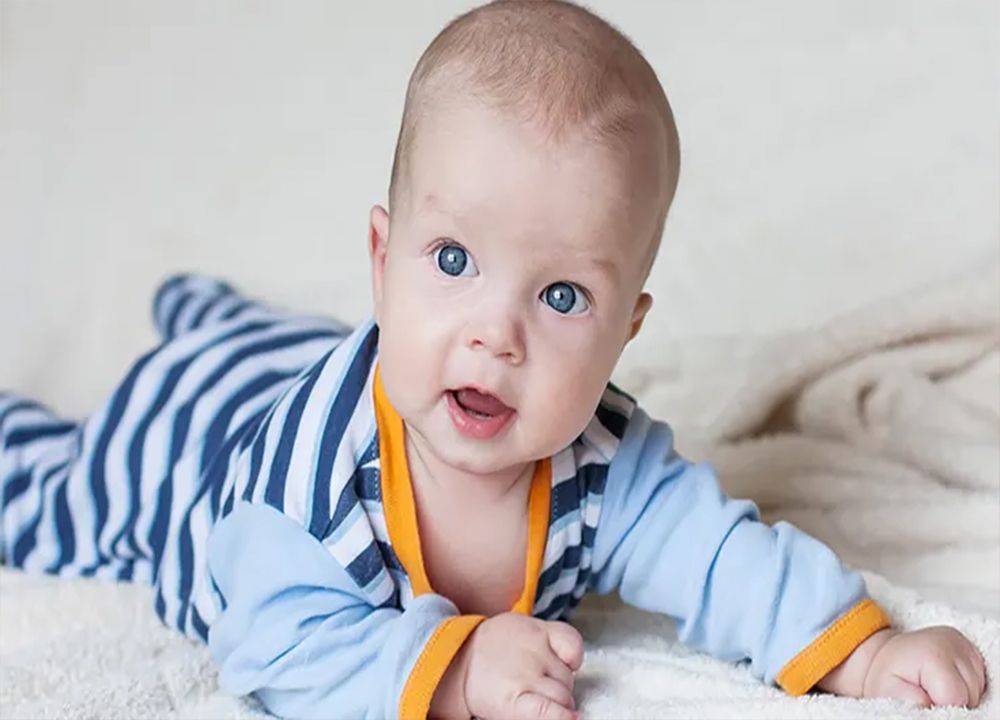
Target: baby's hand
933	666
514	666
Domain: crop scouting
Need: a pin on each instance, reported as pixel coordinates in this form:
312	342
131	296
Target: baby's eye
455	261
565	298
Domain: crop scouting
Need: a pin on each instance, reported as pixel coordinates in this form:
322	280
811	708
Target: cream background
833	153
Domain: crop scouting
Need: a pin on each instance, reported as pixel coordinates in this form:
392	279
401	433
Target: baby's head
535	165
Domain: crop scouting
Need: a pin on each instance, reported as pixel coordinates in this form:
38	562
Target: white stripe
384	590
587	455
373	509
601	438
592	509
618	402
353	541
557	543
563	466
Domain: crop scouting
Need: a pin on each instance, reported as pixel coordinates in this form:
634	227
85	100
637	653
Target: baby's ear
378	245
642	306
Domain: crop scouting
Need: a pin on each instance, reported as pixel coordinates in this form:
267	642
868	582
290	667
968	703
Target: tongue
480	402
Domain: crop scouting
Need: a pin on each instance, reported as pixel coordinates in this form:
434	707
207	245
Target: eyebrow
603	266
607	268
432	201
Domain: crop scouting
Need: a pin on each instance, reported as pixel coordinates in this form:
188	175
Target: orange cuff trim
430	667
832	647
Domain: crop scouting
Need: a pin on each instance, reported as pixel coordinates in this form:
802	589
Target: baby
392	520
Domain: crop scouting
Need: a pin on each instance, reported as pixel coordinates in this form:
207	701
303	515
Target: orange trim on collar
400	511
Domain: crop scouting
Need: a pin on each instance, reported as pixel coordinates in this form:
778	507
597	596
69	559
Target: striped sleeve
670	541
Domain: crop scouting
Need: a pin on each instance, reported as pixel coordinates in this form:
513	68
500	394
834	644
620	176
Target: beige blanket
877	433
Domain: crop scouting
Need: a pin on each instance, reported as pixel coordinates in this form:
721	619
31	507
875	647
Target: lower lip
473	426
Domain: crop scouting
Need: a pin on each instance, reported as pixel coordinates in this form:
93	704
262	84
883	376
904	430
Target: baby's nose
502	337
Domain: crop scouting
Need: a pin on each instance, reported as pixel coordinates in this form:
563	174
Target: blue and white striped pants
113	496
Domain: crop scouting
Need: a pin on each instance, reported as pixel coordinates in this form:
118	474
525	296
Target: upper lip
481	389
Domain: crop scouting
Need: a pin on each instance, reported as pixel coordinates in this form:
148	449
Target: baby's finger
554	690
897	687
532	706
566	643
944	685
559	671
979	664
972	679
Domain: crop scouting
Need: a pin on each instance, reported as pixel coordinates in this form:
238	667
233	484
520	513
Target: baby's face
506	284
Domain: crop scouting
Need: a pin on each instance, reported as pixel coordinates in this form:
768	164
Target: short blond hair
551	63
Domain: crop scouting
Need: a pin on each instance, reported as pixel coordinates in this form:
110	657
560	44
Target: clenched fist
512	666
933	666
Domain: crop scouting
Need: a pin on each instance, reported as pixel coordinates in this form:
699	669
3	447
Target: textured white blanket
878	433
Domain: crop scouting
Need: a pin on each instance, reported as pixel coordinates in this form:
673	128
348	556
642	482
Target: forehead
501	176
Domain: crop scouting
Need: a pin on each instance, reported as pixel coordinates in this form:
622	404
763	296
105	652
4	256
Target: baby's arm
670	541
296	631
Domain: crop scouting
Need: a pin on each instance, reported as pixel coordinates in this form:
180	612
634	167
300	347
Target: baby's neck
432	475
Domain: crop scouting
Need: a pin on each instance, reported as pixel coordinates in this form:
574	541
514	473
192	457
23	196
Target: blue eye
455	261
566	299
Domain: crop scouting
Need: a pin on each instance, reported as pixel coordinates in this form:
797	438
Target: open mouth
477	413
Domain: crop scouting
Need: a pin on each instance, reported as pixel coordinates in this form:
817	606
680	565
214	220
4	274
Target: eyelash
441	242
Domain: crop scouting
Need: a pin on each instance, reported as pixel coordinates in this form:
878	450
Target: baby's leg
37	451
187	302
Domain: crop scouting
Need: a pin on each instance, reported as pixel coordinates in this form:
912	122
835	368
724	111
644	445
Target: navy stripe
236	310
389	555
98	486
199	625
24	435
28	538
367	483
570	559
175	313
13	488
215	475
20	405
218	427
344	405
561	606
126	570
246	430
366	565
160	605
199	317
161	523
593	478
274	492
227	506
64	529
158	299
257	455
614	421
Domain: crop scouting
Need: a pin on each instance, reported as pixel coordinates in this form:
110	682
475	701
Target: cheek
568	387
